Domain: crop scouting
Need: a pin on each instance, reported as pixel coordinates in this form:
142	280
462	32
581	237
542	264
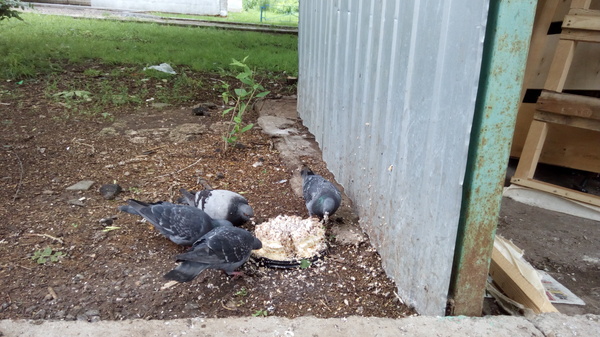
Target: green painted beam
503	66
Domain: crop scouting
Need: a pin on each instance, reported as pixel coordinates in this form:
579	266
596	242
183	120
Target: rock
93	312
82	317
191	306
40	314
186	132
76	202
220	175
107	221
83	185
200	111
160	105
110	191
109	131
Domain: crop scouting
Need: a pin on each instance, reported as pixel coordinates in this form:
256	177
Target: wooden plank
558	190
581	123
578	122
545	13
569	105
515	285
559	69
580	35
584	19
531	150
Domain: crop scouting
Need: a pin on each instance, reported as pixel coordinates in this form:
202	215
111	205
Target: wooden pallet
554	107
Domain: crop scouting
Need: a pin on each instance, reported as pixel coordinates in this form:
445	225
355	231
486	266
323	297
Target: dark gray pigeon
225	248
321	196
182	224
220	204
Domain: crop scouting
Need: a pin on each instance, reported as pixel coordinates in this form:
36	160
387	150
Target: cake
289	238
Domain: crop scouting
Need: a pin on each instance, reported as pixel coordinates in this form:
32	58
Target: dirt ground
115	273
153	150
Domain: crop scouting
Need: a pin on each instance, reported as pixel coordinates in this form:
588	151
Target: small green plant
304	263
45	255
135	190
260	313
242	292
74	225
92	72
74	95
242	97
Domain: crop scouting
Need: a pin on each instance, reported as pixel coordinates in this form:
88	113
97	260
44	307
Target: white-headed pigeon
220	204
182	224
321	196
225	248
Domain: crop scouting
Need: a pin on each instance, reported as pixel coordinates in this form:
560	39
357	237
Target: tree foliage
8	9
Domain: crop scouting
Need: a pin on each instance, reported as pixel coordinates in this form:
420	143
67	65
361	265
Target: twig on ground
21	173
84	144
47	236
178	171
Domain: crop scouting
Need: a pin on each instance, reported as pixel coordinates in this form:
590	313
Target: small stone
40	314
82	317
106	221
160	105
76	202
110	191
109	131
220	175
48	192
60	314
93	312
95	319
191	306
83	185
200	111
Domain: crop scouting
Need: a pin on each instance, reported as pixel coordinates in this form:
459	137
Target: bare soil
117	274
153	150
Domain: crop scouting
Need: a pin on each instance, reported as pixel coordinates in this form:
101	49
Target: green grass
249	16
42	43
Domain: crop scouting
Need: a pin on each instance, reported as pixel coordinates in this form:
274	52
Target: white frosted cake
287	238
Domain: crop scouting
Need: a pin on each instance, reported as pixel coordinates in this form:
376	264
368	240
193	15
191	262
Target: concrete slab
497	326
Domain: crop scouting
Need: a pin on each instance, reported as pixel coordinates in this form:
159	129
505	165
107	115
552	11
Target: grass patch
247	16
42	43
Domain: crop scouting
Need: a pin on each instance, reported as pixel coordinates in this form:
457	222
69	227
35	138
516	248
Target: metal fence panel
388	89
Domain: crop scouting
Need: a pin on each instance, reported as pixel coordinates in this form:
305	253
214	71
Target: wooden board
515	285
565	146
558	190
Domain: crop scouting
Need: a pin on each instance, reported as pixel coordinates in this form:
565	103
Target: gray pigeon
182	224
225	248
321	196
220	204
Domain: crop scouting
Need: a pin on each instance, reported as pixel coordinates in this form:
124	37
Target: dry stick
178	171
47	236
20	176
84	144
52	293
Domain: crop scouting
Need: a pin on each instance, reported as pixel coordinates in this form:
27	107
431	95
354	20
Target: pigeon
321	196
225	248
182	224
220	204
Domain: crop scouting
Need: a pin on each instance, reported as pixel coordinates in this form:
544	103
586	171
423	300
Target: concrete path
546	325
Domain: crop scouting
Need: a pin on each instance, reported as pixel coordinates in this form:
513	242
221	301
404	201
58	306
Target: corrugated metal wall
388	89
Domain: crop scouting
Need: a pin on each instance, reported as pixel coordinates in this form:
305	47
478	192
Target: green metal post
505	51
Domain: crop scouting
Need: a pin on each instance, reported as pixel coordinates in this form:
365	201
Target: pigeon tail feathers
186	271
